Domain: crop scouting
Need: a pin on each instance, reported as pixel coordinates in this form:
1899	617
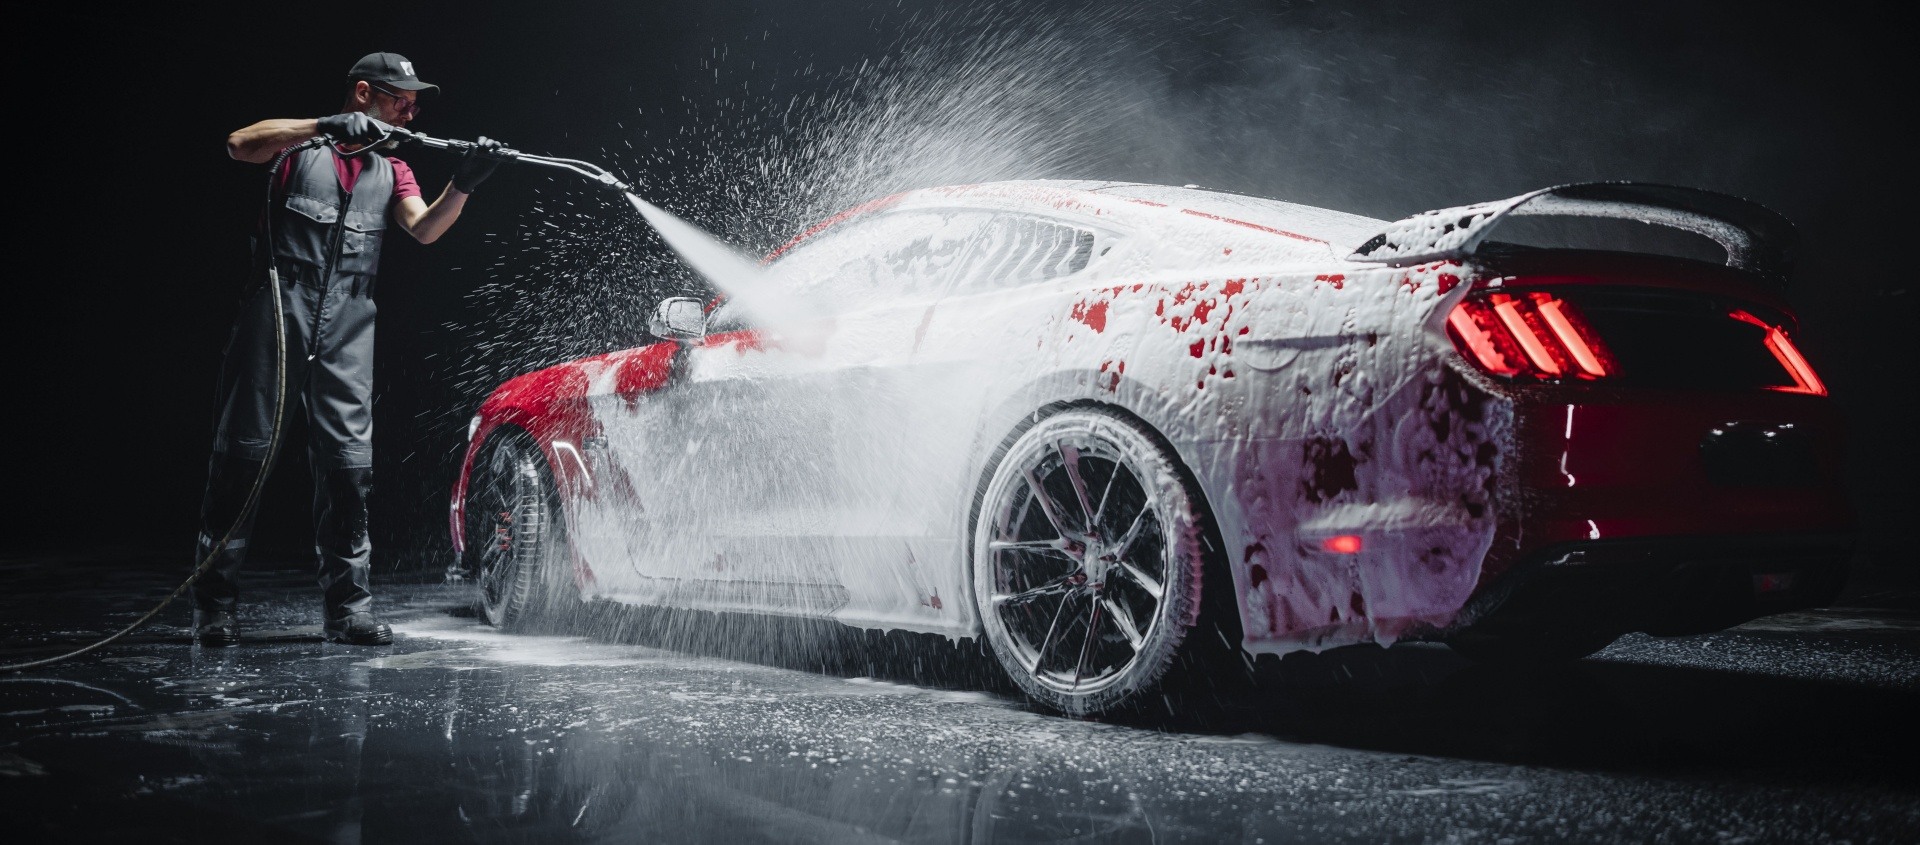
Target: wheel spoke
1058	586
1086	645
491	566
1125	544
1124	621
1046	642
1145	581
1052	545
1046	503
1106	493
500	466
1070	458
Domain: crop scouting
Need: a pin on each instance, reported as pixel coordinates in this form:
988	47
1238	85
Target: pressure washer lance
591	171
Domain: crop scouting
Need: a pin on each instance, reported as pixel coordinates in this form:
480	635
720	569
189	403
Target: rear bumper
1666	586
1653	464
1663	492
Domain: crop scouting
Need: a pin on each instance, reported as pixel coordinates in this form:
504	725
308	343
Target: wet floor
1792	729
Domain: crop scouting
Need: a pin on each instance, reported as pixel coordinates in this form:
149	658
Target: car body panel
828	467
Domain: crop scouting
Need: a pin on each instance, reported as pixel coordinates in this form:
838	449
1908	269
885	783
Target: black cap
391	69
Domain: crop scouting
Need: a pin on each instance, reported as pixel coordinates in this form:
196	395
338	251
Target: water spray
709	257
741	278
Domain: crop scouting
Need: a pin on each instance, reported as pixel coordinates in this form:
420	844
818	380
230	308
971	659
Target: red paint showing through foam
1094	315
842	217
1268	229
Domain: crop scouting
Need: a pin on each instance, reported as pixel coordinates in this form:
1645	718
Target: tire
1090	547
516	537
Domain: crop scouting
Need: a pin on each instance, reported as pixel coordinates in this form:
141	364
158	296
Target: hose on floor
273	440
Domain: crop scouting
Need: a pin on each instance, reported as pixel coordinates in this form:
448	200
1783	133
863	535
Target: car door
913	392
750	439
644	458
896	414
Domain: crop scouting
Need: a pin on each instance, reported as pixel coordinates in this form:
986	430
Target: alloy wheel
1086	561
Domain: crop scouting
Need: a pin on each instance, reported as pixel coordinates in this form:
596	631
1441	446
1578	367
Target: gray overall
326	244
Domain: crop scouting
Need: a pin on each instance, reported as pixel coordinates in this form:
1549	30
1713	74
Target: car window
1016	250
921	253
906	254
923	264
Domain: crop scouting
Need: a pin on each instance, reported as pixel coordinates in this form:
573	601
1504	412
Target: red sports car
1121	430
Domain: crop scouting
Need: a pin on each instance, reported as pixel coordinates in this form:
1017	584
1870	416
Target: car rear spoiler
1754	237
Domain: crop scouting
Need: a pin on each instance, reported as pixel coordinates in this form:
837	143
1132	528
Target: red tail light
1529	335
1804	380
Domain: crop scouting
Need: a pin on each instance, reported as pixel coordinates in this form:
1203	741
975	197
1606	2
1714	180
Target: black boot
216	628
359	628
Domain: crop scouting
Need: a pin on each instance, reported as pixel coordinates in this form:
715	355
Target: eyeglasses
407	108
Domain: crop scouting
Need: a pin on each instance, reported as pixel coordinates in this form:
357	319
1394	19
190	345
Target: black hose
273	440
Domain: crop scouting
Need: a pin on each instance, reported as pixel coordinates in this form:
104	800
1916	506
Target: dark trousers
329	380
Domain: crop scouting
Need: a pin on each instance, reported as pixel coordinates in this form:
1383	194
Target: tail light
1651	339
1534	335
1804	380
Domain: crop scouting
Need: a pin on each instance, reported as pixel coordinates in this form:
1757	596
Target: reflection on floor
1793	728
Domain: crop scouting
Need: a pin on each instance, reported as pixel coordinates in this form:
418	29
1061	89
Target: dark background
135	221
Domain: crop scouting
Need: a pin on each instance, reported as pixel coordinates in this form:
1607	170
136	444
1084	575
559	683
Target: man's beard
379	112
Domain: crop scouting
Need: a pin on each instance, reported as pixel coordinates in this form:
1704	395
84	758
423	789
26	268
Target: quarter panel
1307	405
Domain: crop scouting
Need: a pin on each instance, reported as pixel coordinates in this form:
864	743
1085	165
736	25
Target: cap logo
406	68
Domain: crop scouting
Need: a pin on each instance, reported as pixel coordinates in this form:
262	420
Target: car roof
1338	232
1305	232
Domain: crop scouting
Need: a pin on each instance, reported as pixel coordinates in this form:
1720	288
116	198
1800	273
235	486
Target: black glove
353	128
476	164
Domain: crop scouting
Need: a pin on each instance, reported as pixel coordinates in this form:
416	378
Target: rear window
1607	234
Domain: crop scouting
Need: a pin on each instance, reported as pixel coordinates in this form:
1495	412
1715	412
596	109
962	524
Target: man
328	215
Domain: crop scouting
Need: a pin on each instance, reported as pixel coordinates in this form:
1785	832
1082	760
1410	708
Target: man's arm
426	223
256	144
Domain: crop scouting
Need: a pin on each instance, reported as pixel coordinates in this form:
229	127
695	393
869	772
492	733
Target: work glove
476	164
353	128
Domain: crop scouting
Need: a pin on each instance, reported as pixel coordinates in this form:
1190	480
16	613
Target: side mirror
678	318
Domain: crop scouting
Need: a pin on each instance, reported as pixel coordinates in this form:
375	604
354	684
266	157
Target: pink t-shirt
404	185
